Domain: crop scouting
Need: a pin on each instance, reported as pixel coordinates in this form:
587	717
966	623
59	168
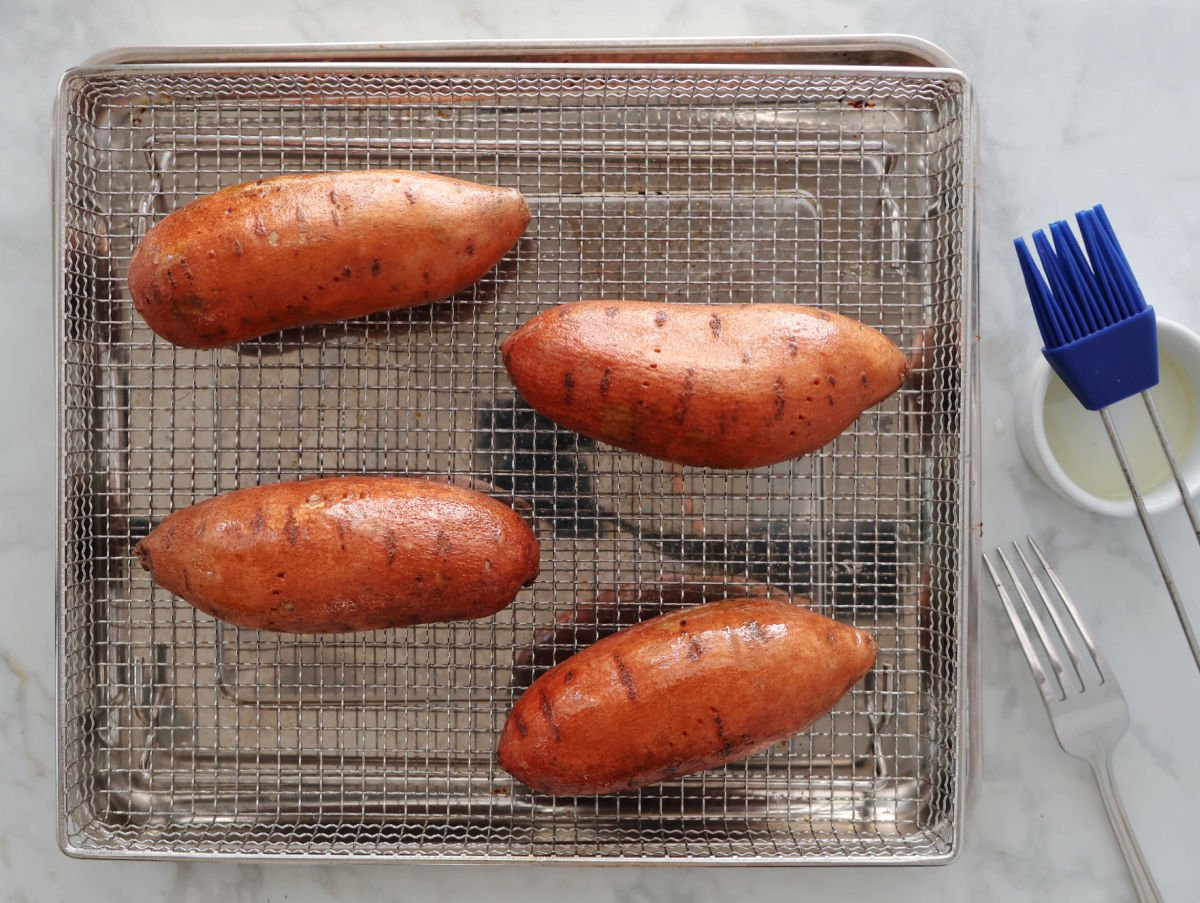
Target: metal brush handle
1189	506
1144	517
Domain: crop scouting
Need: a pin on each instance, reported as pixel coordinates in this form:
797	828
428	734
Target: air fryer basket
847	186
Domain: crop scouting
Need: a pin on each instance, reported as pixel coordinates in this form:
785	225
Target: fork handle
1143	881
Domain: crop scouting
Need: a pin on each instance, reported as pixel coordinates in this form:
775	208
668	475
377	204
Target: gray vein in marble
23	698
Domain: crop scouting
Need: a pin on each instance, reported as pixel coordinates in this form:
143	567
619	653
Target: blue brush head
1099	333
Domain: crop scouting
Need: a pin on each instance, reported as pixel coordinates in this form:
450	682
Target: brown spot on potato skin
832	381
611	312
391	546
237	248
625	677
260	226
410	196
793	346
726	743
376	266
548	714
660	318
714	323
291	529
259	523
470	249
568	387
605	381
347	272
695	650
780	398
679	412
521	727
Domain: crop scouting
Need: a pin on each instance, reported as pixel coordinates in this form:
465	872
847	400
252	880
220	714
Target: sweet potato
344	553
686	691
314	248
730	386
618	606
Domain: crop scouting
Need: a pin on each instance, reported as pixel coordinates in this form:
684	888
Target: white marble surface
1081	102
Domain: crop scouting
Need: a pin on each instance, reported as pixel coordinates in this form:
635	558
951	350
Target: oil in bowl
1077	439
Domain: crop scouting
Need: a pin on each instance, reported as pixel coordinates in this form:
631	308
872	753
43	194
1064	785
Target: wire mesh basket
707	178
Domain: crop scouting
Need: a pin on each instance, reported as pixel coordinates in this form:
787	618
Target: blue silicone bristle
1098	331
1114	272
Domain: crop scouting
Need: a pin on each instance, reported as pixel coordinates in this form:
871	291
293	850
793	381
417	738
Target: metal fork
1083	699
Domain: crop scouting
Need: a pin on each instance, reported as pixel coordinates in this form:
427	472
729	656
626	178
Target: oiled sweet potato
314	248
619	606
344	553
686	691
729	386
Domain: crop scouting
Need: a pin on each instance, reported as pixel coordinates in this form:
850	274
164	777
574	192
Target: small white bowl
1076	459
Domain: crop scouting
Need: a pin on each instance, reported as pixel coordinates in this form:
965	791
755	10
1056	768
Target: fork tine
1097	658
1035	665
1067	640
1038	625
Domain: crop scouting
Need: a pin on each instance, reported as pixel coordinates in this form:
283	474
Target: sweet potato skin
686	691
343	554
315	248
726	386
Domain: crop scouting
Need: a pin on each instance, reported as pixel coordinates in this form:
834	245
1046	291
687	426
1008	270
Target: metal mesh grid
183	736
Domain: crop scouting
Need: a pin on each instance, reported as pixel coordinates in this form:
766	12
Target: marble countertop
1080	103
